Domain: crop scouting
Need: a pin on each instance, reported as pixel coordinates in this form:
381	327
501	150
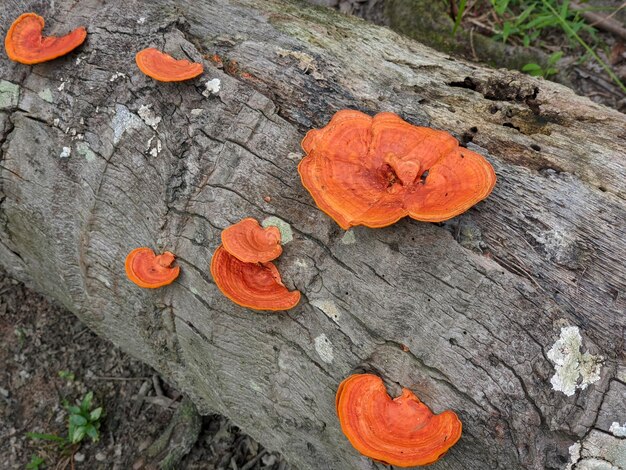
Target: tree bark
468	314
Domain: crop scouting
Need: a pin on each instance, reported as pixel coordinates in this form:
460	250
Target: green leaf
78	420
73	409
459	15
501	6
45	437
78	435
531	68
525	14
92	432
506	30
555	57
95	414
86	404
564	9
35	463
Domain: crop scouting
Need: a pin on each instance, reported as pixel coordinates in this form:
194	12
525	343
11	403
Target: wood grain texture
478	301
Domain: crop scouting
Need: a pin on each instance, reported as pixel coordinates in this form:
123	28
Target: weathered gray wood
479	301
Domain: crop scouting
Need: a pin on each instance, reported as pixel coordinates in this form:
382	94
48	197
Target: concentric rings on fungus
375	171
251	243
253	285
165	68
146	269
401	431
25	43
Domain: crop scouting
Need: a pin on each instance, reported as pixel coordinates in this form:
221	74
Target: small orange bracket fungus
24	42
165	68
146	269
401	431
375	171
251	243
252	285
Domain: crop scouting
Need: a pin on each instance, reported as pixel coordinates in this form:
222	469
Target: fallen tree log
512	314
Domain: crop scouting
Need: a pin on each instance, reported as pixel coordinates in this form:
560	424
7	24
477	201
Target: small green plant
36	463
67	375
537	70
459	15
526	20
83	420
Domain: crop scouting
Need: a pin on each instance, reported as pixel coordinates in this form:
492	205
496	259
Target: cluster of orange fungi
360	170
243	271
26	44
374	171
401	431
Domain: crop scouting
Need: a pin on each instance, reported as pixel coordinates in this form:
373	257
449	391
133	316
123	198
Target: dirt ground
40	342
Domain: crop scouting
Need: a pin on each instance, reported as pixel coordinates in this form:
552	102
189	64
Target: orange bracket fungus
165	68
251	243
252	285
24	42
242	268
374	171
401	431
146	269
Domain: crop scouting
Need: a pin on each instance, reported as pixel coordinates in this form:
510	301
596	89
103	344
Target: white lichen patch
61	86
117	75
154	151
149	117
197	111
213	87
66	152
348	238
295	156
574	455
141	20
599	451
122	121
617	430
573	369
83	149
328	307
9	94
286	235
324	348
46	95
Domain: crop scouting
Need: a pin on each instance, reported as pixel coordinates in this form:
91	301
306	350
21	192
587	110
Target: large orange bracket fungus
243	271
252	285
374	171
401	431
146	269
251	243
24	41
165	68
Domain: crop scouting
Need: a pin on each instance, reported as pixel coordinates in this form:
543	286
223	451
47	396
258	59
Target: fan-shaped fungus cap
249	242
146	269
374	171
401	431
24	42
165	68
253	285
